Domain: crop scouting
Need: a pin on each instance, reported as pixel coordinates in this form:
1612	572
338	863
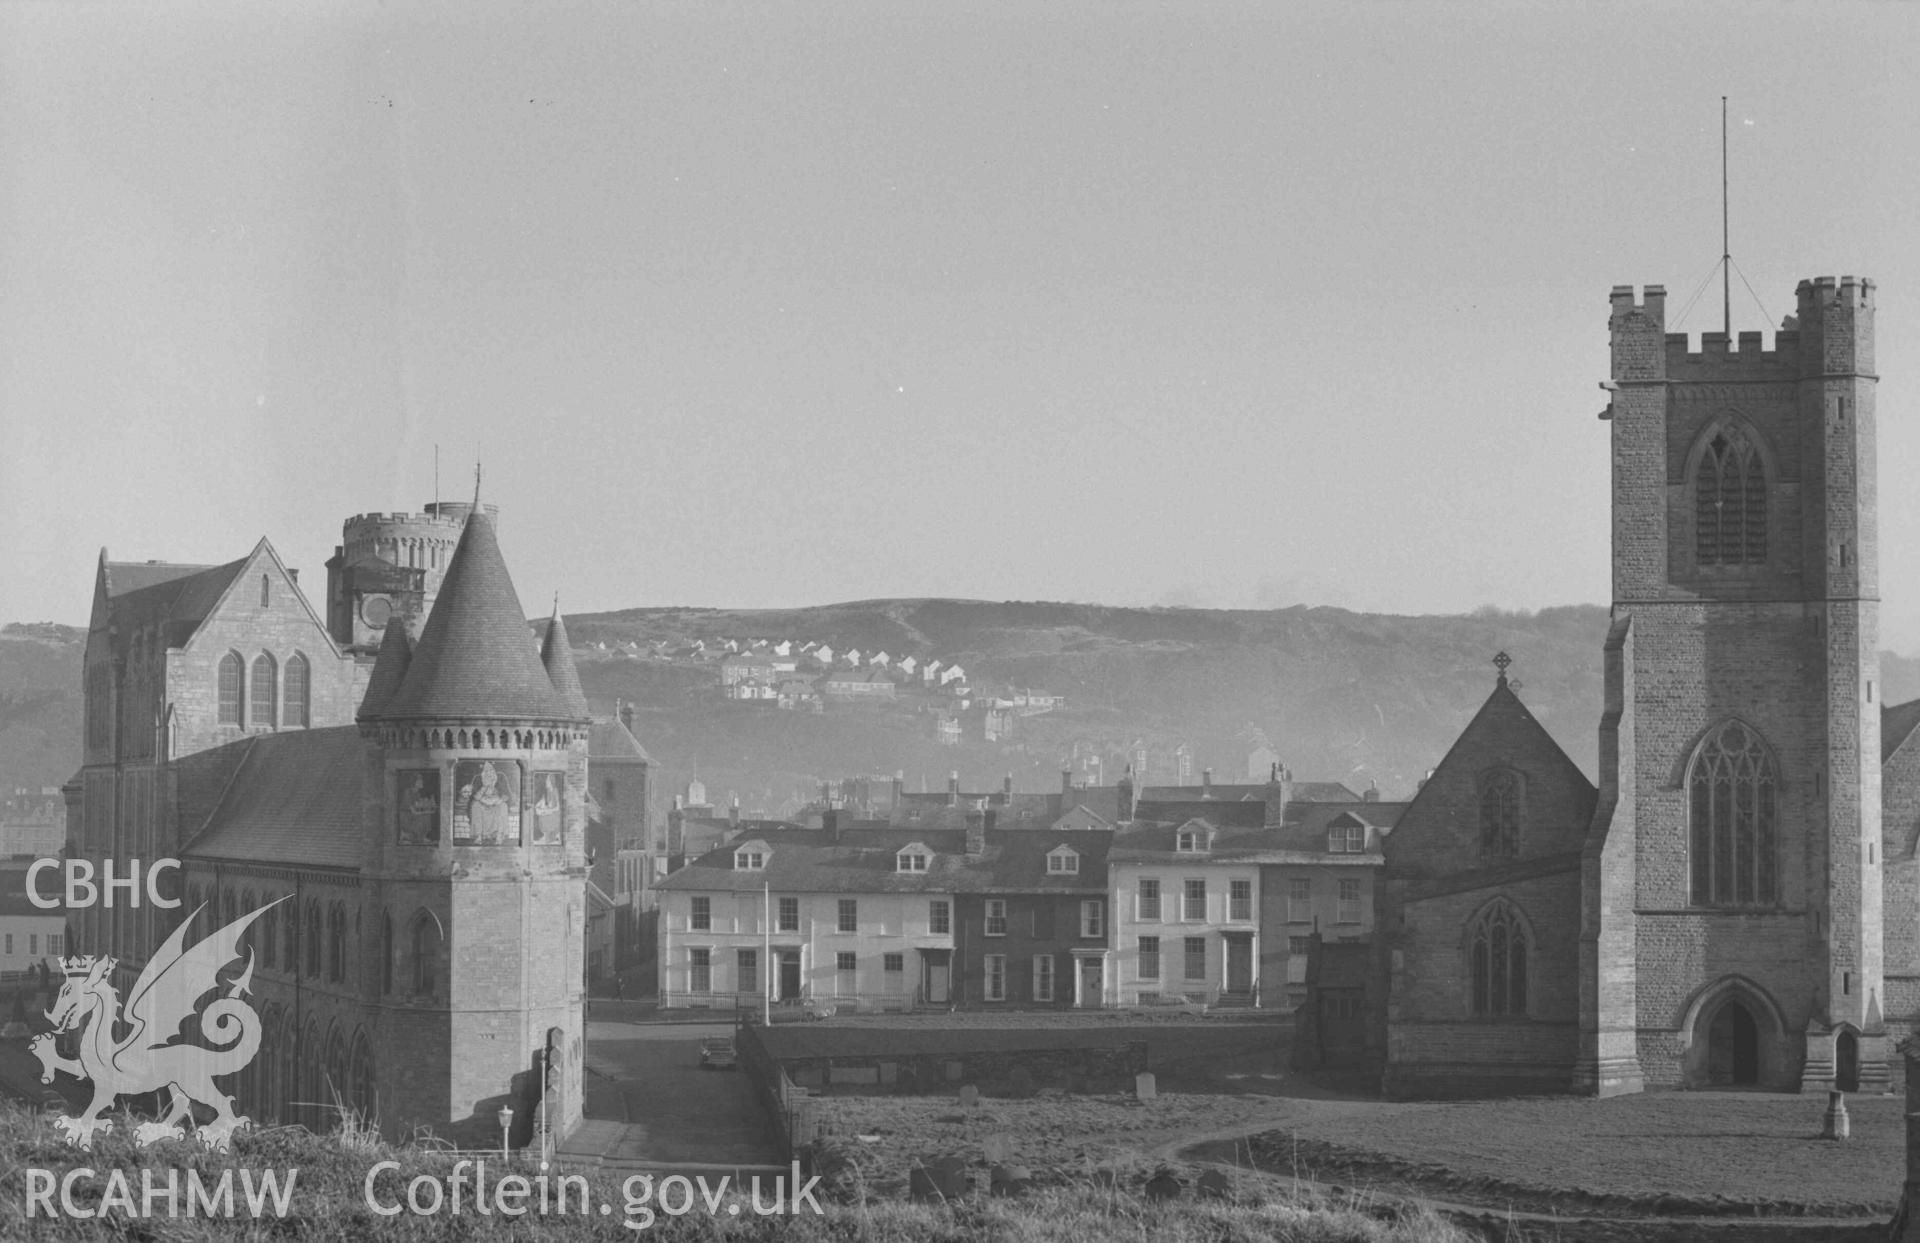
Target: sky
765	306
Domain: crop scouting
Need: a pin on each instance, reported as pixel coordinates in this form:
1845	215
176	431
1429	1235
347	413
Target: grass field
329	1204
1665	1152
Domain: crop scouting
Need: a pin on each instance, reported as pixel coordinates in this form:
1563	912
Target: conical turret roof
557	655
389	668
475	657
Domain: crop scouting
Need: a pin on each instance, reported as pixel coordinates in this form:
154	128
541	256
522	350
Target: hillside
1339	695
39	704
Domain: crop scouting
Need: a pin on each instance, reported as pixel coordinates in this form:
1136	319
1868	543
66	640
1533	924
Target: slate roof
475	657
389	669
612	740
1301	841
295	799
862	861
181	596
556	656
1896	726
14	900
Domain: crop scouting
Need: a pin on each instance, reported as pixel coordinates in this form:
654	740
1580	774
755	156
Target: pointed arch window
232	676
425	950
337	943
1733	816
1730	501
1497	962
1500	813
264	699
298	682
266	592
268	926
313	940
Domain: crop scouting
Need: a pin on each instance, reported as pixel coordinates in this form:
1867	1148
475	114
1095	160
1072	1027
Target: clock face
375	610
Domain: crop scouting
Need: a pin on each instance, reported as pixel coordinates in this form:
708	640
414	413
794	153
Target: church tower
479	751
1731	923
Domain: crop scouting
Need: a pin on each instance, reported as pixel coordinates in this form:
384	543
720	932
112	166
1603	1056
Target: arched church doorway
1733	1047
1846	1062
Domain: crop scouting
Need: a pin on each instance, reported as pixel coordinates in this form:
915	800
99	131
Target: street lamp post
506	1123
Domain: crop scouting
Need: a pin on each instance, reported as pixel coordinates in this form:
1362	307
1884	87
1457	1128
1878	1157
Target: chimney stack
953	788
1279	794
1007	787
1372	794
1206	783
733	812
976	832
1126	800
625	713
830	823
1066	781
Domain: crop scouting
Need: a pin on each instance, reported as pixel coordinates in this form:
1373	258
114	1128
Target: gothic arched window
337	943
298	681
386	954
1497	961
1500	813
290	933
1733	810
425	951
313	940
1730	501
232	674
260	706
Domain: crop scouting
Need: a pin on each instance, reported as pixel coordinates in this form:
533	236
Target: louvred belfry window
1733	810
1730	502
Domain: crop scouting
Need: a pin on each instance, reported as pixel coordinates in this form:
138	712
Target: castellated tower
478	751
390	565
1732	918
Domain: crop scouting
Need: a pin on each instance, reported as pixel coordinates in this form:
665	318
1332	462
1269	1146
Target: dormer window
1190	841
1063	861
750	857
1346	836
913	859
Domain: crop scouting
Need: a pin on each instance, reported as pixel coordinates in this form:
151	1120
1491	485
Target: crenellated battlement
1654	305
1715	350
1823	293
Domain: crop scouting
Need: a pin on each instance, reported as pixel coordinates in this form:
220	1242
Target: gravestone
997	1148
1163	1186
969	1096
1009	1180
1215	1185
1144	1086
1020	1082
1836	1124
950	1177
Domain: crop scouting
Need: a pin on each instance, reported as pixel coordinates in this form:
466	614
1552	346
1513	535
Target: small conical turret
389	669
473	658
556	653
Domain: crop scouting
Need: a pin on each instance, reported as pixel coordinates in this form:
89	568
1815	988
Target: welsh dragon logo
151	1054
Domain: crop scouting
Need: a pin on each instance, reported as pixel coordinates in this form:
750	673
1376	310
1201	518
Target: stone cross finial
1500	661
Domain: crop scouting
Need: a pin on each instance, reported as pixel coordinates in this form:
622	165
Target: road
645	1080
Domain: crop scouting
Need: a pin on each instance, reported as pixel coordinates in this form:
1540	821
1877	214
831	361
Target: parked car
717	1053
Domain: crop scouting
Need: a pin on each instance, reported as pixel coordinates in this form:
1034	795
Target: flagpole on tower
1727	250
